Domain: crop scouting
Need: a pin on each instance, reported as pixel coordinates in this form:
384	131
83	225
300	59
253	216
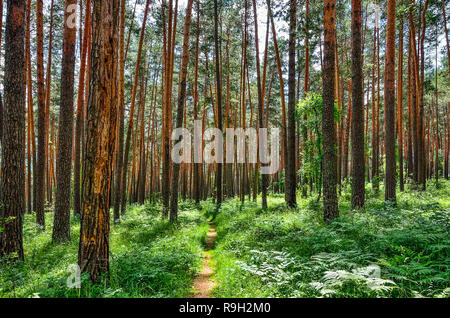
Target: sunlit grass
292	253
272	253
149	258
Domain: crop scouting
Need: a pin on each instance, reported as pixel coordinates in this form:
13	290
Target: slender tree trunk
243	108
61	223
197	165
414	104
291	180
264	177
1	121
410	115
140	187
1	101
400	105
375	119
328	126
389	95
358	165
347	132
436	162
80	111
446	34
123	195
169	46
41	159
119	184
48	80
219	99
306	87
30	127
447	144
180	110
282	96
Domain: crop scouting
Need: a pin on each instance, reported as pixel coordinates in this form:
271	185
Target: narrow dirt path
204	283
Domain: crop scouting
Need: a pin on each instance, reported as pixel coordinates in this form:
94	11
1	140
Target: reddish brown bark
389	95
219	99
358	164
12	181
197	166
169	32
48	79
180	109
446	33
80	111
282	96
291	180
328	126
123	193
93	256
61	220
41	152
31	140
264	179
400	105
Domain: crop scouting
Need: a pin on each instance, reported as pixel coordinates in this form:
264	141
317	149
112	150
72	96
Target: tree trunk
119	184
423	149
436	162
12	194
330	203
93	256
61	221
264	177
219	99
375	110
197	165
123	194
48	80
31	143
169	47
410	115
80	111
389	95
41	159
291	180
347	132
358	165
180	110
400	105
282	96
446	34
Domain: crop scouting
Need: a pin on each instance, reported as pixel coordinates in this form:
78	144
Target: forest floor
204	282
384	250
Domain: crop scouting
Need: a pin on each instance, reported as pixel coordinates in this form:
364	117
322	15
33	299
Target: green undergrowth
148	258
382	251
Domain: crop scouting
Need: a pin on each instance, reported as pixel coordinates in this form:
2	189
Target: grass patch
383	251
149	258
